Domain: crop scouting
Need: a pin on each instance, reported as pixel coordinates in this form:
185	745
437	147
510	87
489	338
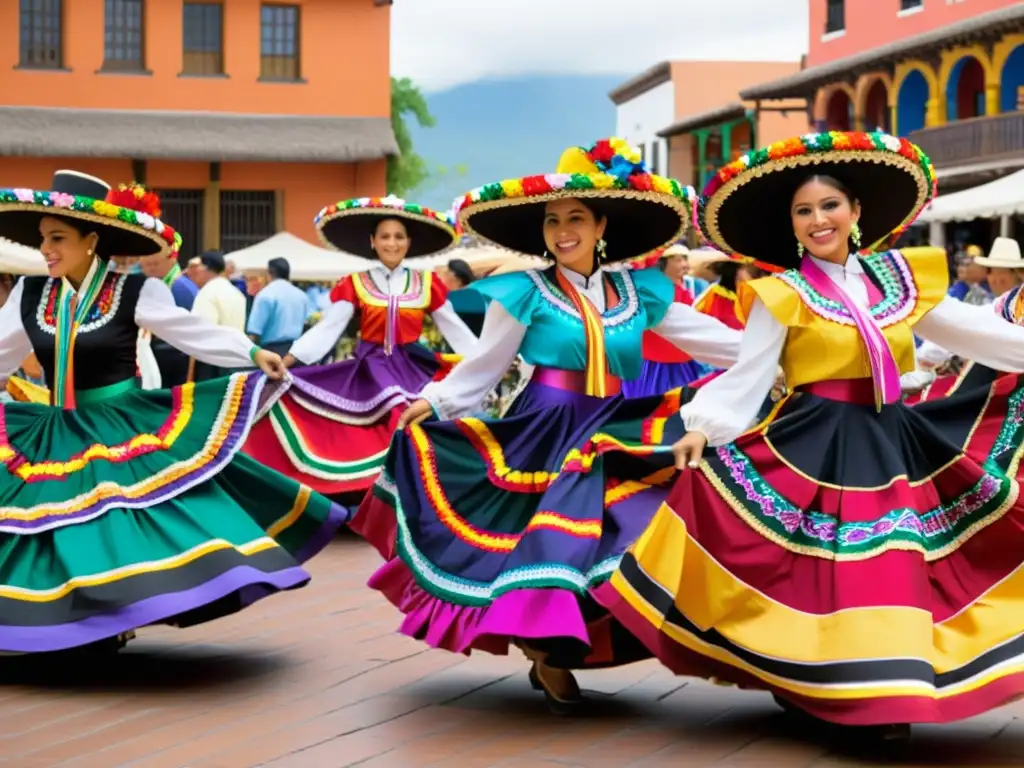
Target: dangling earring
800	250
855	235
602	246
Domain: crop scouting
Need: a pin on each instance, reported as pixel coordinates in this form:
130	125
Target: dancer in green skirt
121	508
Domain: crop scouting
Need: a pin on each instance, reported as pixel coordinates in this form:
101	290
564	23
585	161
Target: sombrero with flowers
644	212
348	225
123	231
745	208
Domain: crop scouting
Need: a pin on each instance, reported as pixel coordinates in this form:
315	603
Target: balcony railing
977	140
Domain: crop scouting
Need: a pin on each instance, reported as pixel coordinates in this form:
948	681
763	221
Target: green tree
407	171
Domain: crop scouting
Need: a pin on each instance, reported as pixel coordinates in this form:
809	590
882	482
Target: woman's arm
14	342
702	337
725	408
463	390
455	331
316	343
974	333
191	332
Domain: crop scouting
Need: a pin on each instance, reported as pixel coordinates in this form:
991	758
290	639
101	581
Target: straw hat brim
350	230
638	222
19	222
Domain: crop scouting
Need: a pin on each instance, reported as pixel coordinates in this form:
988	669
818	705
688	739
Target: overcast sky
443	43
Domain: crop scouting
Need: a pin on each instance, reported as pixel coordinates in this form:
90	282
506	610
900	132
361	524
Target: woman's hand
289	360
414	414
779	390
689	450
270	363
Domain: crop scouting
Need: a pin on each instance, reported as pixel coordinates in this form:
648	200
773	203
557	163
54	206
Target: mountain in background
501	129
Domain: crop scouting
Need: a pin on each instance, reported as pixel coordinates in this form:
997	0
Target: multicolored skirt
137	508
497	529
866	566
658	378
331	428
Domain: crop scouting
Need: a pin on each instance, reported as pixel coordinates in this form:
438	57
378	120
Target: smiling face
823	215
571	232
67	251
391	242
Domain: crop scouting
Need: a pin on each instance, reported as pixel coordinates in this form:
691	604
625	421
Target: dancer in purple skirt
332	427
495	530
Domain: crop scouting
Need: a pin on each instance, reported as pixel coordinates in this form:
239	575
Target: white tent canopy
470	254
18	259
1002	197
308	262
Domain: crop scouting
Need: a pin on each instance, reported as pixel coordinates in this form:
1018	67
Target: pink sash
884	372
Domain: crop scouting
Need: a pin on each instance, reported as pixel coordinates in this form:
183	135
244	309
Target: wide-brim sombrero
745	208
348	225
123	231
644	212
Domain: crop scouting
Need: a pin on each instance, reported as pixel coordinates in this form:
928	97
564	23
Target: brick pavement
319	679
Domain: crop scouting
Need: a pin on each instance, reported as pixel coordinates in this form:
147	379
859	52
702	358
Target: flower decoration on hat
346	225
144	202
744	208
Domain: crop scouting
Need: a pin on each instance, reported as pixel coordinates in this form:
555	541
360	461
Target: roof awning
717	116
808	80
203	136
1002	197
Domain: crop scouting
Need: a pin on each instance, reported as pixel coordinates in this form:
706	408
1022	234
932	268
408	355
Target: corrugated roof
206	136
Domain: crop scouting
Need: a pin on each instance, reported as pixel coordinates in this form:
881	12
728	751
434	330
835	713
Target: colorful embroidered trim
470	534
183	404
899	292
61	201
383	204
616	166
597	360
226	436
623	311
816	143
306	460
103	309
932	533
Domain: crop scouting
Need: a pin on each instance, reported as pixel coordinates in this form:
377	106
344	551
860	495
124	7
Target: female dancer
120	507
332	427
665	366
495	529
847	555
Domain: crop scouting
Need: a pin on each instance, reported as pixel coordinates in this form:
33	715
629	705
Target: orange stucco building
688	118
247	116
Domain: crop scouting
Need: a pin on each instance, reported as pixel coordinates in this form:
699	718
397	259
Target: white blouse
726	407
155	312
316	343
463	390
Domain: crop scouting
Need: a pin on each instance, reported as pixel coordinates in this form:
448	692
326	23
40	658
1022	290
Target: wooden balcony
977	141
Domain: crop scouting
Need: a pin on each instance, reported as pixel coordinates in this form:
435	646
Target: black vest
105	346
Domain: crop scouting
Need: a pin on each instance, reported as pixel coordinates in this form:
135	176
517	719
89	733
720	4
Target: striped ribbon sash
593	327
72	309
884	372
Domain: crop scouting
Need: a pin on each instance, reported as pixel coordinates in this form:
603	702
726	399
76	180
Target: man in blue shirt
279	311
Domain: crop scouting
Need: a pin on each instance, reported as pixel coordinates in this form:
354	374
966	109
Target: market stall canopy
482	258
308	262
16	259
1002	197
